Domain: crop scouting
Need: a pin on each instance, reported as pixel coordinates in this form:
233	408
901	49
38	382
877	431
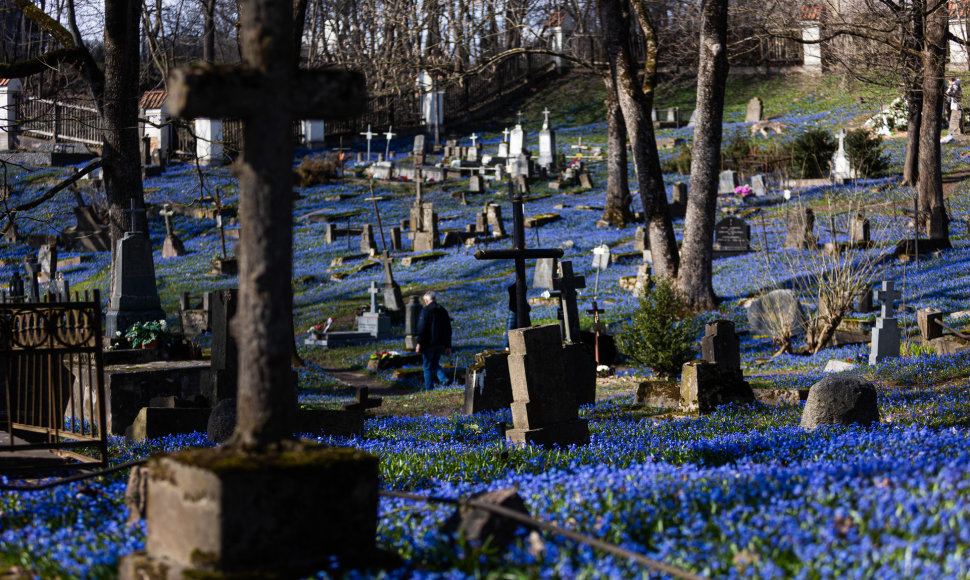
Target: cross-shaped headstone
16	286
269	92
567	284
167	212
377	212
887	294
369	135
364	401
545	122
474	138
597	328
373	291
135	225
32	269
519	254
505	134
518	118
387	149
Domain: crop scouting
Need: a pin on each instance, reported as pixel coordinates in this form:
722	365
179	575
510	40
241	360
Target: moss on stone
289	455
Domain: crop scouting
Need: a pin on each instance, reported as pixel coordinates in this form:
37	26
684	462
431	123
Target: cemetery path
952	180
357	378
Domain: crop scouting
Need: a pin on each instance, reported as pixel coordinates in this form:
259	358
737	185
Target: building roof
811	12
152	99
4	82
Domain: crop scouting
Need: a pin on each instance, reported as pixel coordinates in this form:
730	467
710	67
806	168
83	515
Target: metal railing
52	380
59	121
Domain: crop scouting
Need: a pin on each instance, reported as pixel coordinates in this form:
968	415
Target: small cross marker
505	134
887	294
474	138
545	122
387	150
370	135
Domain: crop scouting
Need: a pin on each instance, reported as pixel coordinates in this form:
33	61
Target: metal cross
132	212
519	254
387	150
377	212
597	328
370	135
887	294
567	284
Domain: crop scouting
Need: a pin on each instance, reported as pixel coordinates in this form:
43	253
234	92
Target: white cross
518	118
474	138
370	135
387	150
505	133
545	123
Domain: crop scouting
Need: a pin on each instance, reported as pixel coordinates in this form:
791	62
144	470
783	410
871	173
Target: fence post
9	101
56	129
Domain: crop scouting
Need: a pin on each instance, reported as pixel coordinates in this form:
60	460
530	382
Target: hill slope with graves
749	488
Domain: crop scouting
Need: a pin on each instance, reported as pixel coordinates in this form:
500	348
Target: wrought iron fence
52	380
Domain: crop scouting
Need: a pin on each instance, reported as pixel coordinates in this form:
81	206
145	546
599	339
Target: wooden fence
57	121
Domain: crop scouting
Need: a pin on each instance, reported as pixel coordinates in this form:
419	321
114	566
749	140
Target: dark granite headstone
732	234
135	295
221	383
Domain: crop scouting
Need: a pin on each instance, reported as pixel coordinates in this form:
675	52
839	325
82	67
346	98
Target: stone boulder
840	399
222	421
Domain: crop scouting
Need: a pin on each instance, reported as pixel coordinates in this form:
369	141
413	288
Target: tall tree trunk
695	278
913	41
932	210
617	211
208	30
636	108
122	162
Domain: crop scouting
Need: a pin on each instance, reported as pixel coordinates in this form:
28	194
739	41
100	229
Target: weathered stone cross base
545	407
704	387
216	513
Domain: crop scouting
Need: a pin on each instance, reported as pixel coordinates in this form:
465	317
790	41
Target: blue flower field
741	493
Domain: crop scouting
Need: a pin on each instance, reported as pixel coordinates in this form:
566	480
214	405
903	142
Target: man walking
434	339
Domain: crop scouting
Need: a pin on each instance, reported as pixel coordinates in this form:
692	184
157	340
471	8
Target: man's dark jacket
434	326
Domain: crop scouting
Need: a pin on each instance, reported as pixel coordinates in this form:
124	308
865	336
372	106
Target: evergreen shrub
661	333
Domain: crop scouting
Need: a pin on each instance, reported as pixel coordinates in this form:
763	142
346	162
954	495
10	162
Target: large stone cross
167	212
567	284
519	254
887	294
474	139
545	121
269	93
505	134
373	291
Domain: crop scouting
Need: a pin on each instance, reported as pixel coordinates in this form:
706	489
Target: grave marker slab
727	181
755	111
885	334
732	236
777	311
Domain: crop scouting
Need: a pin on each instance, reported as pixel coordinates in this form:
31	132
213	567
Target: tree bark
262	326
617	211
209	31
932	211
122	161
695	278
636	107
913	41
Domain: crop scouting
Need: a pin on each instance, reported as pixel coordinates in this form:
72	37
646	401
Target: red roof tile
152	99
811	12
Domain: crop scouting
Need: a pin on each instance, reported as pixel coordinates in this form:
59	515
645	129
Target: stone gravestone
641	241
47	258
396	244
221	382
727	181
956	121
547	149
135	296
516	141
928	320
493	212
717	379
777	312
542	412
840	399
31	272
580	364
885	334
368	244
393	301
374	322
841	167
755	111
732	236
487	383
758	186
426	236
859	229
801	226
60	288
411	313
678	207
476	184
545	272
172	247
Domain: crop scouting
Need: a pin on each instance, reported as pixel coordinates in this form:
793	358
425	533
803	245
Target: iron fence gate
51	373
